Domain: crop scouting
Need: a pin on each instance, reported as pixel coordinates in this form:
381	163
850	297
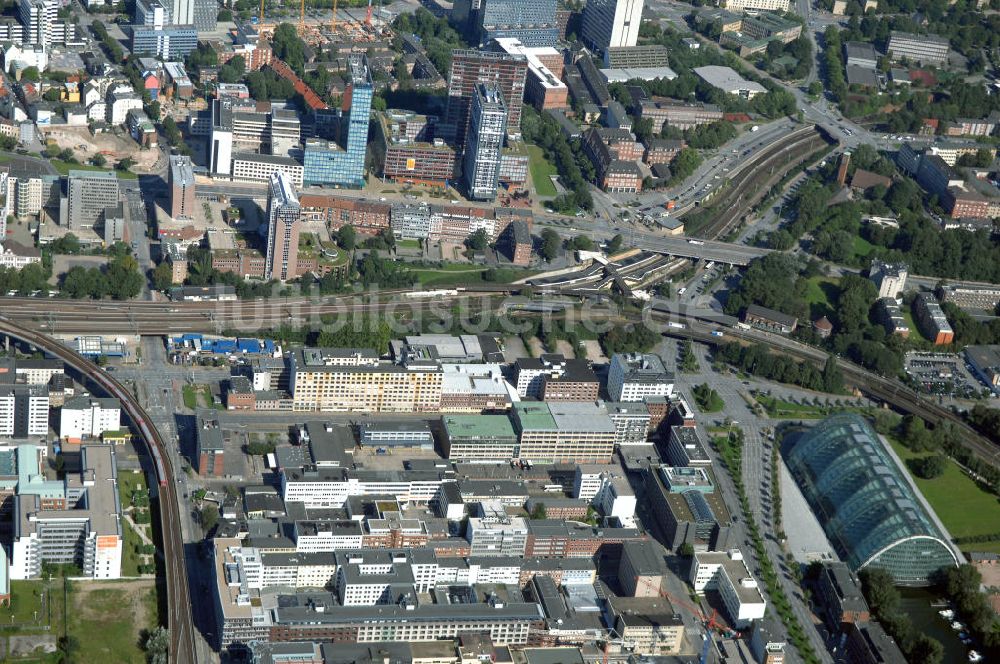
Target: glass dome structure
869	511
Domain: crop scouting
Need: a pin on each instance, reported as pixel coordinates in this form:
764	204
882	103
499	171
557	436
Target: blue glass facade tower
344	165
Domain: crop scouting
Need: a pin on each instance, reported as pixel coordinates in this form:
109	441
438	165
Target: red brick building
368	217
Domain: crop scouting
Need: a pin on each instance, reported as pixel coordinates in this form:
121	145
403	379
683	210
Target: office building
502	536
484	142
890	278
730	82
182	187
469	68
518	243
892	317
685	447
758	5
378	387
406	434
868	509
985	362
75	522
611	23
533	22
89	192
479	438
861	54
114	228
680	115
931	320
641	569
88	417
205	14
325	163
181	12
37	371
543	88
576	382
839	595
170	43
636	57
256	167
635	376
283	219
24	410
631	422
369	217
409	152
984	297
564	432
152	14
925	49
727	572
649	625
530	373
209	447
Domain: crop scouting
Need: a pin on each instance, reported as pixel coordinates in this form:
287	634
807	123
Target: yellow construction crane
333	23
302	17
260	17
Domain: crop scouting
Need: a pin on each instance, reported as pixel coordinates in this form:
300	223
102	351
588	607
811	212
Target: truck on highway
716	333
695	242
676	326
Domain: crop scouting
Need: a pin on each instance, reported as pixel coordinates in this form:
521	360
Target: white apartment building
316	536
635	376
727	572
121	99
88	417
24	411
889	277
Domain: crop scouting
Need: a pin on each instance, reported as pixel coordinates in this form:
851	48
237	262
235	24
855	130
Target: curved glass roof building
869	511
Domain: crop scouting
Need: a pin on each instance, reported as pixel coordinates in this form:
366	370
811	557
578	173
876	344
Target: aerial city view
499	331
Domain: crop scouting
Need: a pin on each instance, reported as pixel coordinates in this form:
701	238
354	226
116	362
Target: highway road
178	601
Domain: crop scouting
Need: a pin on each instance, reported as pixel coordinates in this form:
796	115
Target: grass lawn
24	601
64	167
963	507
408	244
781	409
107	619
820	293
541	170
862	247
130	559
458	274
129	483
190	397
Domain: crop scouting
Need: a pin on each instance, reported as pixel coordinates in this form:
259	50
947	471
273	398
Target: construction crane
260	17
368	16
710	623
302	17
333	23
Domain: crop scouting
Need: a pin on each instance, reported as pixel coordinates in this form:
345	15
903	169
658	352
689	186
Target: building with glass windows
484	142
283	219
344	164
531	21
868	509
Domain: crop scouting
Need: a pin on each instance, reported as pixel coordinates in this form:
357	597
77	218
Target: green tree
209	515
52	94
929	467
685	550
615	244
478	241
538	511
346	237
287	45
30	74
550	244
99	160
162	276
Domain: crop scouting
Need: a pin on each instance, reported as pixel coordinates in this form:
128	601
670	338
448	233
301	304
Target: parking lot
944	374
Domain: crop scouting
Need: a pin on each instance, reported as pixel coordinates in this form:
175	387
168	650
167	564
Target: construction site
318	27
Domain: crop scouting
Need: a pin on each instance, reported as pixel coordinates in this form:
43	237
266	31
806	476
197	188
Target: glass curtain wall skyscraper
329	163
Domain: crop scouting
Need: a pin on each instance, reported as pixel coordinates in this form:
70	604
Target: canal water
916	603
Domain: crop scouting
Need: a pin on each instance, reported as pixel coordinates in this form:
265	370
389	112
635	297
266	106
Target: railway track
751	184
179	617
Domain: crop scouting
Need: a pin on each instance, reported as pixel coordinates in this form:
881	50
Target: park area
964	508
541	172
90	621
